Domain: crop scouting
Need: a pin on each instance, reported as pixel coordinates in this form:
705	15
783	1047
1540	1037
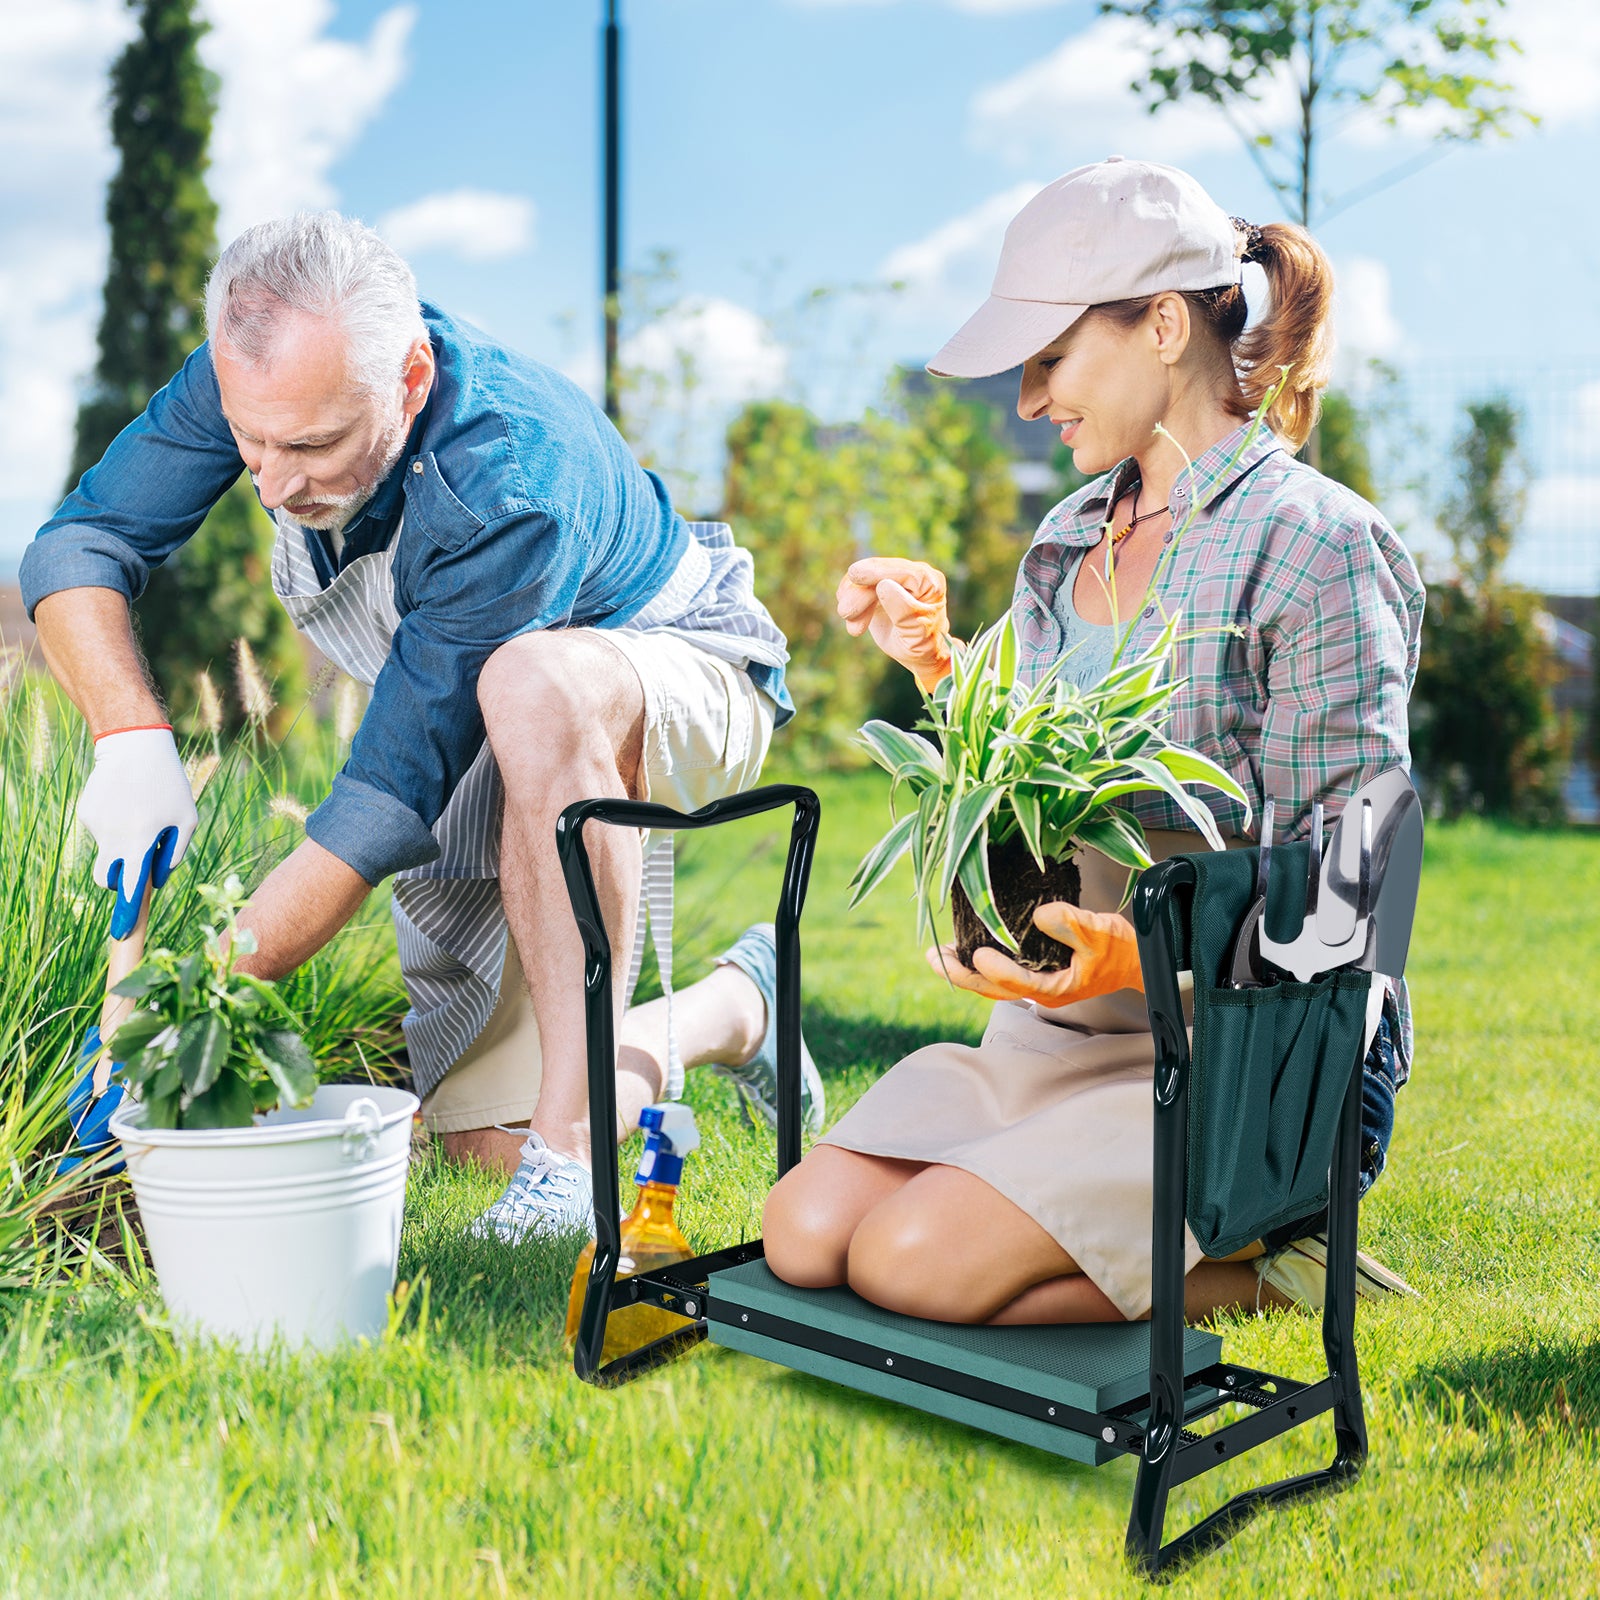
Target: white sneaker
1300	1272
548	1195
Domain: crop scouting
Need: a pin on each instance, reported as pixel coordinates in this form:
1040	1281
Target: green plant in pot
1014	780
210	1046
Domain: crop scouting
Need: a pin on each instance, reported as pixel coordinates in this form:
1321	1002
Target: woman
1012	1182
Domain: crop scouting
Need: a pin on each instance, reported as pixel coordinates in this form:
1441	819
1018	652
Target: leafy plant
31	1111
1048	764
210	1046
53	919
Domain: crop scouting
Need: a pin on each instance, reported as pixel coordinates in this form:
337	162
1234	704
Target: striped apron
449	923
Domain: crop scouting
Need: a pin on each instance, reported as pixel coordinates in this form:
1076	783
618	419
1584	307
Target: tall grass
54	920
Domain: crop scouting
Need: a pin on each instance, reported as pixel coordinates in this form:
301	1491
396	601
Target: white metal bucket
289	1228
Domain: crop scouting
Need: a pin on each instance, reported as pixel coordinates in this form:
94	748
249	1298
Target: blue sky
774	146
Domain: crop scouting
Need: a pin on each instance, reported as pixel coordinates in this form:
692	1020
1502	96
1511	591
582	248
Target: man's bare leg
721	1019
565	718
565	715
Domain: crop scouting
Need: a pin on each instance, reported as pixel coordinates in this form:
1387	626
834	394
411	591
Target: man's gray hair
330	266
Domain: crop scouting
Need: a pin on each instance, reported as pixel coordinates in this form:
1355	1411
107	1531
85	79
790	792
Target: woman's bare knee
949	1247
804	1245
813	1210
900	1260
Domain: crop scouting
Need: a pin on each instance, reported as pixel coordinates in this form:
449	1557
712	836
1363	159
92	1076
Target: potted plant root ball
1013	780
271	1205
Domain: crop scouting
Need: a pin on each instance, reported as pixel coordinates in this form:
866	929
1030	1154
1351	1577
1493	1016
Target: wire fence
1417	416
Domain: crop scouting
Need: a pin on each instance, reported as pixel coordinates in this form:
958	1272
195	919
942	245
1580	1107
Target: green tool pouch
1269	1067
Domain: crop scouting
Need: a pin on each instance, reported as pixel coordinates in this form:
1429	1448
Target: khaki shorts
706	733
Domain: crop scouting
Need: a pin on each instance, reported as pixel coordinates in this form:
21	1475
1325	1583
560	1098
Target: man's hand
1105	959
903	604
139	809
299	907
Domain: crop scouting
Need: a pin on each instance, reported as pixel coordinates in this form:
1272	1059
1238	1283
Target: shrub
1485	735
929	481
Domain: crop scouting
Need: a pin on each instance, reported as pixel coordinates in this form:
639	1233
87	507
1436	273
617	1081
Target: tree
1485	733
1482	516
807	500
1394	56
1345	454
945	430
163	237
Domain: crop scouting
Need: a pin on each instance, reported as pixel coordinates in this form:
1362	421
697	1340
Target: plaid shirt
1308	701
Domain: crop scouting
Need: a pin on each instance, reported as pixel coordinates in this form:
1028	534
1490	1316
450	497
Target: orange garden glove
1106	959
903	603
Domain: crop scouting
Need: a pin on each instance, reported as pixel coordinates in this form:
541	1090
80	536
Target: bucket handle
362	1123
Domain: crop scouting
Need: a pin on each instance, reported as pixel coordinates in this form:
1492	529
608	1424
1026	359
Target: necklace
1132	523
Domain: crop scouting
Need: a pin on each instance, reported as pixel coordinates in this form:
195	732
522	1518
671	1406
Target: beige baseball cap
1113	230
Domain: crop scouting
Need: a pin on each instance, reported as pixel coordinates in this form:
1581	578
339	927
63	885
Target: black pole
613	202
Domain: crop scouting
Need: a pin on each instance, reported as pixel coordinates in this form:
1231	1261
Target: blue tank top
1086	647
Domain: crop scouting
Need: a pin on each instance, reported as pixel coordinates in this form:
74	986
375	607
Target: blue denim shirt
523	508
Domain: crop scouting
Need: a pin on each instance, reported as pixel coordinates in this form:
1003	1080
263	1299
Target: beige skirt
1054	1109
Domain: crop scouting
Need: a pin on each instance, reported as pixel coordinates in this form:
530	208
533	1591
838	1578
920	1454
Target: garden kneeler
1257	1124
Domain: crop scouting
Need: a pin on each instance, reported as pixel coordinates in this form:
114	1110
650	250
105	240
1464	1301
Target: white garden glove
140	810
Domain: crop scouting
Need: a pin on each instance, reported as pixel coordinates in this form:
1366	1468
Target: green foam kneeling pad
1093	1367
918	1396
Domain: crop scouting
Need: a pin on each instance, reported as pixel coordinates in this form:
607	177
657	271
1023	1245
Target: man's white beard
337	515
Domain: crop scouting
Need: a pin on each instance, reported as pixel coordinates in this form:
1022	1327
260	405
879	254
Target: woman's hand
903	604
1105	959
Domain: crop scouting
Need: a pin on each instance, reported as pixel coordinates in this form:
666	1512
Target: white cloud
293	100
954	247
1363	315
1565	500
946	274
1076	104
689	370
475	224
1558	548
720	351
1558	71
52	248
1555	74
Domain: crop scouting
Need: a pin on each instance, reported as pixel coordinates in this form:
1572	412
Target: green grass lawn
459	1456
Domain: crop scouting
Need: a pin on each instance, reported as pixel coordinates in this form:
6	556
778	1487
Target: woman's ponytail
1297	331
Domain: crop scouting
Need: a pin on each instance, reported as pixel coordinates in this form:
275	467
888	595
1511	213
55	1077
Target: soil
1019	889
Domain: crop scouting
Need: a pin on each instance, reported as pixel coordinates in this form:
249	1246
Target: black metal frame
682	1289
1170	1454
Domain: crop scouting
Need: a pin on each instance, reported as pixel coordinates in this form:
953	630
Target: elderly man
462	529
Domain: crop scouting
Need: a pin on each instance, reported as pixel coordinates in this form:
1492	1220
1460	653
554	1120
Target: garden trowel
94	1096
1361	893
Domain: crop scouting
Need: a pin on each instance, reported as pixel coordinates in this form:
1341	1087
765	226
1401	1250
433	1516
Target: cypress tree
163	225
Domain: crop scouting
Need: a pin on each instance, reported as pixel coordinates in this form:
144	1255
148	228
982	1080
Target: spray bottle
650	1237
